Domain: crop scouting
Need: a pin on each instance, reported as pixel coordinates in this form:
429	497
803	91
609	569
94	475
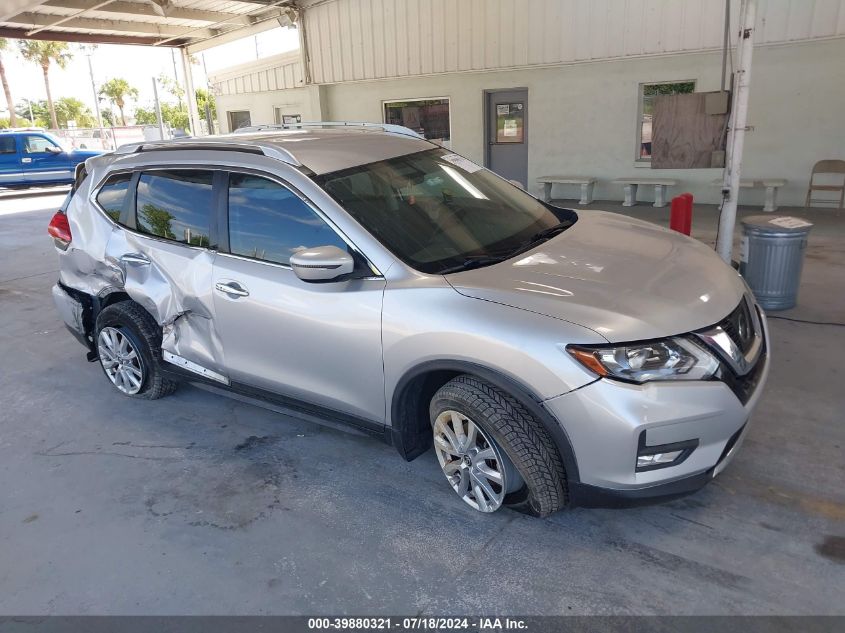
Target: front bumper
604	422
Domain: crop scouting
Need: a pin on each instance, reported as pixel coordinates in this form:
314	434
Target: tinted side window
175	205
7	145
113	194
268	221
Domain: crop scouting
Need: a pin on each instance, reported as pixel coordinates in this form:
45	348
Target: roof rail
387	127
271	151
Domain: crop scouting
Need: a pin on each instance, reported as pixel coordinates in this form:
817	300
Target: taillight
59	228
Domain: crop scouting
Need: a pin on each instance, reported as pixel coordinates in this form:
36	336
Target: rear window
175	205
113	195
7	145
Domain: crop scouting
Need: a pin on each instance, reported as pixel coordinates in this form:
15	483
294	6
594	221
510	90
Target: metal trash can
771	255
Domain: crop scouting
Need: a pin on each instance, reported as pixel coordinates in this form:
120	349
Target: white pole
158	110
193	112
90	52
736	135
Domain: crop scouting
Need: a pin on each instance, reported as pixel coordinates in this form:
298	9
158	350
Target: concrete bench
632	184
586	186
770	184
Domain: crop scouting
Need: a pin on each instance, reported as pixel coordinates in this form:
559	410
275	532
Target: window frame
26	152
130	189
219	229
638	135
128	212
223	222
448	100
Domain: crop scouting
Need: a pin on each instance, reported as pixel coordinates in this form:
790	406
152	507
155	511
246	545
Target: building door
239	119
507	133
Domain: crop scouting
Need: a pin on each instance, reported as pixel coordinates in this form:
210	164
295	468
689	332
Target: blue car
32	158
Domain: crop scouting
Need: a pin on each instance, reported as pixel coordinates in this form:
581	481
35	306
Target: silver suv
365	275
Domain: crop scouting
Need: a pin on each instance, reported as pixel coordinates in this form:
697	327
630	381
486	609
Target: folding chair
827	167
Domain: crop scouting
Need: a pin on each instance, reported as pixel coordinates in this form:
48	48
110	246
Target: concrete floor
198	504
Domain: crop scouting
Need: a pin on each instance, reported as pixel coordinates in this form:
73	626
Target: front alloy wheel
120	360
473	464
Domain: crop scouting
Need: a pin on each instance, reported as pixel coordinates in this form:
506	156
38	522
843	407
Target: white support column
190	96
736	135
586	193
547	191
630	195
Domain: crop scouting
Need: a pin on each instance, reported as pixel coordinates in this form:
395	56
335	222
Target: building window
647	94
238	119
429	117
286	119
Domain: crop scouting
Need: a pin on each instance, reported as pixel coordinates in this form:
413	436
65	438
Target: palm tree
116	90
43	54
13	118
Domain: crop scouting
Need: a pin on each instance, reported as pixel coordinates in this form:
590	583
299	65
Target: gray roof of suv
322	150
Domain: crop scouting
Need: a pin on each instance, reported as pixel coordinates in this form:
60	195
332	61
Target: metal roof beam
234	34
87	38
142	10
93	24
11	8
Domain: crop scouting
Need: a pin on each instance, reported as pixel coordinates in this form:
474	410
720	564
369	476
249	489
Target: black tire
518	433
145	335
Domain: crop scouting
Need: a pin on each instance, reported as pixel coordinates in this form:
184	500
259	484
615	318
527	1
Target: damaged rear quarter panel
175	287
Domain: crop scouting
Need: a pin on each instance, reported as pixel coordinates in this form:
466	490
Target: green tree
45	53
157	220
72	109
107	115
117	90
203	97
171	114
13	117
40	113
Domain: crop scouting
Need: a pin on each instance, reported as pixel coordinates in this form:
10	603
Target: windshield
439	212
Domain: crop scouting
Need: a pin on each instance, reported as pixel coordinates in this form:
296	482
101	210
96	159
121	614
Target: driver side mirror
322	263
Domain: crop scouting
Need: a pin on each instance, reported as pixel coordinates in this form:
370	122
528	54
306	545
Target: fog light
657	458
662	455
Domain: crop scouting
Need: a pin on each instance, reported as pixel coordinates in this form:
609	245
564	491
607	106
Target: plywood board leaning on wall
684	136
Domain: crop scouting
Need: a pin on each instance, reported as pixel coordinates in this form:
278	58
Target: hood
624	278
80	155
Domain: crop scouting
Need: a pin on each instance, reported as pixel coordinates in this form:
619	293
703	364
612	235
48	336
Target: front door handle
135	258
232	288
26	160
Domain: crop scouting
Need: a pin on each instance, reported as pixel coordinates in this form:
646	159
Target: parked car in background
33	157
368	276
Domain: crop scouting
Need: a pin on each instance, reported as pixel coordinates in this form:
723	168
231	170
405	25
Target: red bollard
680	217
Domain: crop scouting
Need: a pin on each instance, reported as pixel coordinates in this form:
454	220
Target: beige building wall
583	117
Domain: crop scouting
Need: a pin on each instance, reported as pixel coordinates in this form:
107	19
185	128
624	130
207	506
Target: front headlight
675	358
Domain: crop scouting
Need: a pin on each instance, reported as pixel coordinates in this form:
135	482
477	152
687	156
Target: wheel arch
410	425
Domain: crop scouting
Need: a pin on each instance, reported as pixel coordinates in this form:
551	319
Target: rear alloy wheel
120	360
129	347
474	466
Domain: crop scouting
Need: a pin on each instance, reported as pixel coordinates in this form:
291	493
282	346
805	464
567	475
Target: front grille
744	386
739	325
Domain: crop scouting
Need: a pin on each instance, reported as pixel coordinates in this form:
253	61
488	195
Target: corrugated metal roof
193	23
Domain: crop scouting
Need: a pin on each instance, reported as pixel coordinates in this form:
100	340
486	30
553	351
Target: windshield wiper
476	261
541	236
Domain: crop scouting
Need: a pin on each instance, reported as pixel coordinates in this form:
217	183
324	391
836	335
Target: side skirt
286	405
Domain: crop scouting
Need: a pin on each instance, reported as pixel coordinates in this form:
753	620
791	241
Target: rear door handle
232	288
135	258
